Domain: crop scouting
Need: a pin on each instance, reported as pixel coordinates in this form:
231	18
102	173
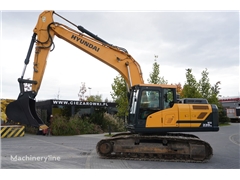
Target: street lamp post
89	91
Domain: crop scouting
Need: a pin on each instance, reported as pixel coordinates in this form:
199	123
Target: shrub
31	129
73	126
116	124
223	118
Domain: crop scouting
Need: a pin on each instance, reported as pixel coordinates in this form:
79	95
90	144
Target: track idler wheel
104	148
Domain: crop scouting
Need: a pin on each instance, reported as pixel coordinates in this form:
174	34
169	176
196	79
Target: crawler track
170	147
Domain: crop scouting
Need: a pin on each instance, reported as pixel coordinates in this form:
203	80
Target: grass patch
224	124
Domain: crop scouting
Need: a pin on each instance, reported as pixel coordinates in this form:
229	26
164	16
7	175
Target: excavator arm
23	109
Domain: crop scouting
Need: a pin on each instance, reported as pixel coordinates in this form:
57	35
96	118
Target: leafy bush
31	129
73	126
116	124
97	117
223	118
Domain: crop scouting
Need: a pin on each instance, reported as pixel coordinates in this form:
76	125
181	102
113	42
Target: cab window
149	103
168	98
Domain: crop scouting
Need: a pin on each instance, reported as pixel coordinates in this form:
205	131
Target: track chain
107	153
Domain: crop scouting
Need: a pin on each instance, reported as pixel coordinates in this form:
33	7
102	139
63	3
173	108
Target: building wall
230	104
71	107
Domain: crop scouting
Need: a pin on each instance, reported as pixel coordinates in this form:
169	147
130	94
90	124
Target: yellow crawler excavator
158	123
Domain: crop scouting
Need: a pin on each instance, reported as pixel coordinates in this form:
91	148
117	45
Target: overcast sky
197	40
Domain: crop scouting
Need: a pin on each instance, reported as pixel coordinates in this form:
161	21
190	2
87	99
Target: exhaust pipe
23	111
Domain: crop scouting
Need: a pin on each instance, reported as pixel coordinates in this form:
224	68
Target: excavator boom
23	109
115	57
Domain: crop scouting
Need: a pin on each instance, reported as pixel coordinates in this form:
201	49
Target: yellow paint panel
164	118
154	120
184	112
179	112
200	112
170	117
184	125
195	124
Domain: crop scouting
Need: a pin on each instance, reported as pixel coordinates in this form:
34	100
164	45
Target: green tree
119	95
179	88
207	91
204	85
215	88
95	98
191	86
82	92
213	99
154	77
214	92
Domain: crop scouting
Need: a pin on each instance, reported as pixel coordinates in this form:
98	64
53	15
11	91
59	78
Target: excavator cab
155	109
146	100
